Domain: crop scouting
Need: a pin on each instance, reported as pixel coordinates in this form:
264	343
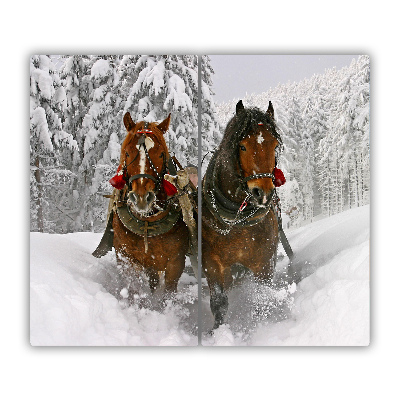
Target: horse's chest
242	244
161	250
244	241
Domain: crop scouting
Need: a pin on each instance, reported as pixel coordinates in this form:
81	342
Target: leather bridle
141	143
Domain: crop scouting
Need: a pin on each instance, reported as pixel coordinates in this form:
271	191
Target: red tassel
279	177
169	188
118	181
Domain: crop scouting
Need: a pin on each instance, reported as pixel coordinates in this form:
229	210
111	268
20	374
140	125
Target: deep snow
71	301
331	305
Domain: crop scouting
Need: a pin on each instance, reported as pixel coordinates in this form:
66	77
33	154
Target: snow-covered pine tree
342	140
326	146
318	127
290	193
49	177
75	75
101	144
128	74
211	134
298	153
168	84
360	101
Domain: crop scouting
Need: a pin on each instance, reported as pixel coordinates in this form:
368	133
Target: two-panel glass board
184	200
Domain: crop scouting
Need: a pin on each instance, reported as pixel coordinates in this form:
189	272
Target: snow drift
330	306
72	300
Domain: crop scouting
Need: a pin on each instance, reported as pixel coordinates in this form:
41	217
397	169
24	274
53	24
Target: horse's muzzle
141	204
259	197
258	194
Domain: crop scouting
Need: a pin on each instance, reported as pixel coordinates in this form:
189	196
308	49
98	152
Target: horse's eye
242	148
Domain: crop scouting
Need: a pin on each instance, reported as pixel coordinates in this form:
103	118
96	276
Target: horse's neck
227	179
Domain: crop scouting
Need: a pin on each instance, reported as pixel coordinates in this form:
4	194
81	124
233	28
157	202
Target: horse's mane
242	124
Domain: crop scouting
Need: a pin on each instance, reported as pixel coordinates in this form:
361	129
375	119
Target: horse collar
146	228
226	211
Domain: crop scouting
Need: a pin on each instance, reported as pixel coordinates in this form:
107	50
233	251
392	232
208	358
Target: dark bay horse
147	229
239	225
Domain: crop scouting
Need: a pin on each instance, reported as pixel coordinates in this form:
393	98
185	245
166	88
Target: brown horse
240	227
149	233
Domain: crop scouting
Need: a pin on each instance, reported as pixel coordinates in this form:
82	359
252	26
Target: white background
43	27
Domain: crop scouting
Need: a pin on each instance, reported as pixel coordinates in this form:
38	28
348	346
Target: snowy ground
72	302
330	306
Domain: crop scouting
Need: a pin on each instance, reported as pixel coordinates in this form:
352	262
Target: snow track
72	300
72	304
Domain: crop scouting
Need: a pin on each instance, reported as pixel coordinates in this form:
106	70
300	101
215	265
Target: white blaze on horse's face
141	201
148	142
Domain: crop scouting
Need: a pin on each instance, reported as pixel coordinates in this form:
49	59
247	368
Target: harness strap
282	235
171	166
146	243
177	162
138	176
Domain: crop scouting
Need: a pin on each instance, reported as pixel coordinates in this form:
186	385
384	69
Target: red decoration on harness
279	177
143	131
169	188
118	181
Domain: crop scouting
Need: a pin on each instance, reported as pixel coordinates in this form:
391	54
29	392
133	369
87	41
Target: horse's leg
261	296
265	272
173	272
123	279
154	278
216	280
218	303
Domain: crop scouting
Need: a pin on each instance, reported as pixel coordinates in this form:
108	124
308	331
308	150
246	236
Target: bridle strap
151	162
138	176
141	143
258	176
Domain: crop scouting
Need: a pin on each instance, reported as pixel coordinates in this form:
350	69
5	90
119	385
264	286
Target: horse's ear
239	107
270	110
163	126
128	122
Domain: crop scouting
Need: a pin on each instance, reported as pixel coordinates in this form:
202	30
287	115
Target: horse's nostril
257	193
150	197
132	197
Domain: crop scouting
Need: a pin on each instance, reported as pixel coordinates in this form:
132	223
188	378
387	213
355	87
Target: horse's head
143	156
257	151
